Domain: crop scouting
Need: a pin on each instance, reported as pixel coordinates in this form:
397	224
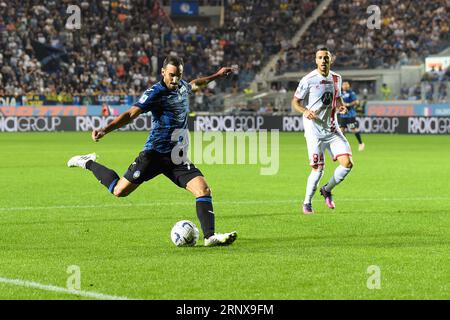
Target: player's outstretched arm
297	106
117	123
201	82
341	105
354	104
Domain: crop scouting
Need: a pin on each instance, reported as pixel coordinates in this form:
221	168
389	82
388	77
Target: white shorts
336	144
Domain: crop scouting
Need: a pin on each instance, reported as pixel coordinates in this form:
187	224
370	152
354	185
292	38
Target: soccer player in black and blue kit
168	101
348	119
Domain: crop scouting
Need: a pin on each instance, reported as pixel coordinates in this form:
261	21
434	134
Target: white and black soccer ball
184	234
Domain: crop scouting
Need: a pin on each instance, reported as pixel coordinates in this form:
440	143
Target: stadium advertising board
33	100
437	62
70	123
10	101
35	124
11	106
66	99
114	100
52	111
394	109
142	123
225	123
429	125
59	110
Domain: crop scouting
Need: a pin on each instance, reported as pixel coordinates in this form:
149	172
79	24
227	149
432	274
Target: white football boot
361	147
80	161
221	239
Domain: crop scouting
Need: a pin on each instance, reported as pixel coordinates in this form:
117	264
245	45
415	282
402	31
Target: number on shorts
316	158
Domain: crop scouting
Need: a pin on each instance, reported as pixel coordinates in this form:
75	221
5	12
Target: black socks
358	136
106	176
205	214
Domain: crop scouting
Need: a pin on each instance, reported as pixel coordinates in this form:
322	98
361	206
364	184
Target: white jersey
319	94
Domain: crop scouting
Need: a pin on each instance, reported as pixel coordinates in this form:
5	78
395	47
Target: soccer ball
184	234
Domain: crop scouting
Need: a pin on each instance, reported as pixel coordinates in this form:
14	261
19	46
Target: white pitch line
46	287
156	203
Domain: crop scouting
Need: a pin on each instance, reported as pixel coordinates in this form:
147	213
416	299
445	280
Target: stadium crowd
121	44
409	31
434	84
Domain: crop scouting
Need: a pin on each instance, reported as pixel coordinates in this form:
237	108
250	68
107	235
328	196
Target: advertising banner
12	101
28	111
184	8
224	123
404	109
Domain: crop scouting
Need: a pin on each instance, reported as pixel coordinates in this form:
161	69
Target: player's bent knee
202	192
348	164
198	187
317	168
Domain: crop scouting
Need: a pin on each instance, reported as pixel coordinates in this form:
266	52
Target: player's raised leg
205	213
120	187
124	187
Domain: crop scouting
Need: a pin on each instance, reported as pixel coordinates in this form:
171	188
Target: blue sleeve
148	100
188	87
353	96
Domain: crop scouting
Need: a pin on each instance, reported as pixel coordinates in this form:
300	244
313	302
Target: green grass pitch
392	211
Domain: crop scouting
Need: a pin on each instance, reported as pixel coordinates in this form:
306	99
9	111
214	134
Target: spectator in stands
404	91
429	91
440	74
433	74
266	108
447	74
417	93
442	91
385	91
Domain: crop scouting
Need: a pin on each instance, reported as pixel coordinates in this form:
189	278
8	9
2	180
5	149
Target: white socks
339	174
311	186
313	181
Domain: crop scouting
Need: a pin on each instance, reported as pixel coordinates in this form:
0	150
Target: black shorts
347	122
151	163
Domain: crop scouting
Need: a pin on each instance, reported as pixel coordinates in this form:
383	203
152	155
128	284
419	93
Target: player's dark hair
173	60
323	49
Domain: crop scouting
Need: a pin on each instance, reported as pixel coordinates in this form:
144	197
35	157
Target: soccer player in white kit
318	97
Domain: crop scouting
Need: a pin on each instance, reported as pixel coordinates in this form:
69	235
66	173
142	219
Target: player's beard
324	68
174	86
